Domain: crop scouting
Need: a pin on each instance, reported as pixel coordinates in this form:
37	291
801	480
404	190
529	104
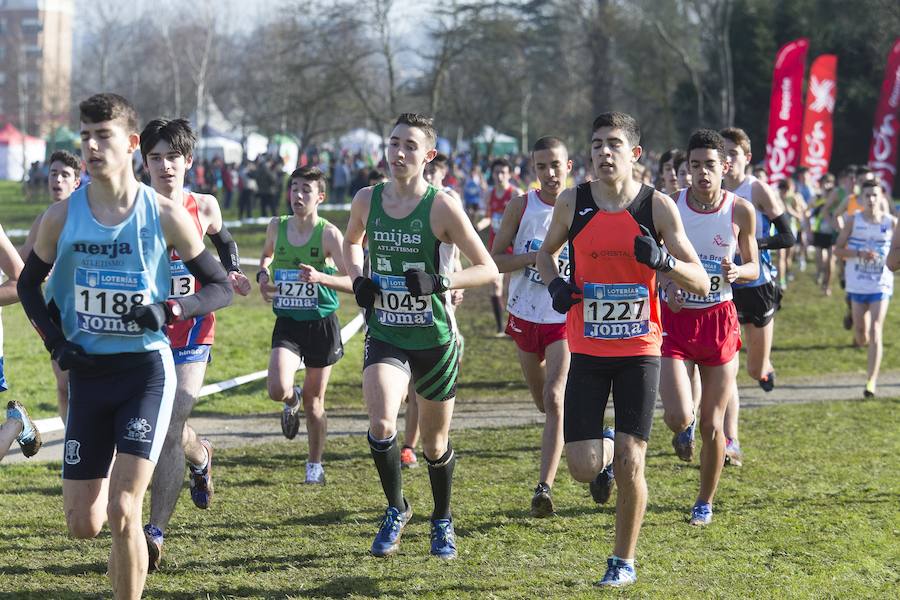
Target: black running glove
69	355
651	253
420	283
149	316
365	291
565	295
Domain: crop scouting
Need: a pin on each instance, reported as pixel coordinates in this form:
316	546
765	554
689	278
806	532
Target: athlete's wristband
260	273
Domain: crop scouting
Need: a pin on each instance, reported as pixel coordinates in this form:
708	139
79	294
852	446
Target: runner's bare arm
688	273
745	218
509	227
485	221
25	249
266	289
354	258
451	225
333	243
11	265
840	245
557	235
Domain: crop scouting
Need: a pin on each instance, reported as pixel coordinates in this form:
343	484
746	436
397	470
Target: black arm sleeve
227	249
29	288
215	291
783	239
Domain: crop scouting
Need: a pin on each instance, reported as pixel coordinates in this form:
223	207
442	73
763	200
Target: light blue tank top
102	271
767	270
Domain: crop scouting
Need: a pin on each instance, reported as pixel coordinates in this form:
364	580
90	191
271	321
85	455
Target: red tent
17	152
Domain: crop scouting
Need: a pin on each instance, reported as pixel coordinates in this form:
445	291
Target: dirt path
231	431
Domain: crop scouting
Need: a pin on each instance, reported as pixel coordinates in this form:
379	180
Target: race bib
102	296
396	307
496	220
718	285
562	262
293	294
183	283
616	311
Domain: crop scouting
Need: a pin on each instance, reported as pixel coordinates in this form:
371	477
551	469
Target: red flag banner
815	149
786	110
883	152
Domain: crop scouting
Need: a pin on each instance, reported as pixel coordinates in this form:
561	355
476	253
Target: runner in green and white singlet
410	333
297	274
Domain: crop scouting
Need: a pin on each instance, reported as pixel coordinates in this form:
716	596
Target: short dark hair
548	142
109	107
66	158
620	120
674	155
738	136
376	175
501	162
309	173
862	170
849	171
873	183
707	139
177	132
421	122
441	159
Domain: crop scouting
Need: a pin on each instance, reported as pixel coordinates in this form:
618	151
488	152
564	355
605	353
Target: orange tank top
619	314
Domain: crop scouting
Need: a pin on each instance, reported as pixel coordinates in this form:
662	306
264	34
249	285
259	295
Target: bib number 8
715	283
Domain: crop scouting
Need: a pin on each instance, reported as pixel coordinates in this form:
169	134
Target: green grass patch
812	514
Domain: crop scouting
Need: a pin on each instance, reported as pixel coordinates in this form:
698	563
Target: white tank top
870	276
745	190
528	296
713	237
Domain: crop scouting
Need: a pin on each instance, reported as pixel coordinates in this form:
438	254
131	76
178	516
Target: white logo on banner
823	94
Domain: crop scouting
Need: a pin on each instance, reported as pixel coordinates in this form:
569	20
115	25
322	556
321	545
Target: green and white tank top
301	300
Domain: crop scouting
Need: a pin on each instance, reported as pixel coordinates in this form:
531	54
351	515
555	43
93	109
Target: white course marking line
347	332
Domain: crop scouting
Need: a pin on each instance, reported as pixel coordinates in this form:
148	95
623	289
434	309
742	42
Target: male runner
704	330
167	147
297	274
495	200
757	301
865	242
612	226
18	427
668	172
823	232
538	330
435	171
410	335
64	178
109	242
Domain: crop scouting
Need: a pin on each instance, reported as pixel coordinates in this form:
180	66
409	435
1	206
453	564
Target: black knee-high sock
498	312
440	472
387	460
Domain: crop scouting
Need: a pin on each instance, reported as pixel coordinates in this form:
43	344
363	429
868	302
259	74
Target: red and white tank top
528	296
714	236
496	206
619	315
199	330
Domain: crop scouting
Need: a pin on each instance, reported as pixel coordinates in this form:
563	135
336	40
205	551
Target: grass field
812	514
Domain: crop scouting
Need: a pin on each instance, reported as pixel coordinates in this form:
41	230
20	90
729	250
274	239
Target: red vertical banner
786	110
815	148
883	152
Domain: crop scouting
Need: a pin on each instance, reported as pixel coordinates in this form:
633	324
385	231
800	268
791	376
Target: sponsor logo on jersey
112	250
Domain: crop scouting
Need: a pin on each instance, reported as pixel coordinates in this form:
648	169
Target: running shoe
683	443
408	458
768	383
848	321
602	485
869	391
201	482
315	474
387	540
701	514
30	438
618	573
154	537
290	416
733	454
541	502
443	539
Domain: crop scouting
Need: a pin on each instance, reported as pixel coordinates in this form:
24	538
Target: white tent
502	143
17	152
255	145
360	140
228	150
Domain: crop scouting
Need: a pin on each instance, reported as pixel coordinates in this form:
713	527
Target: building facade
35	63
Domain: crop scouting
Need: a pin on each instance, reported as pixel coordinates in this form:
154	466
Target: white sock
199	468
627	561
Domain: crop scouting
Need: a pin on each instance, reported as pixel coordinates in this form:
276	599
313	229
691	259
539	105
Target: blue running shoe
154	537
443	539
683	443
387	540
201	482
30	438
701	514
618	573
609	433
